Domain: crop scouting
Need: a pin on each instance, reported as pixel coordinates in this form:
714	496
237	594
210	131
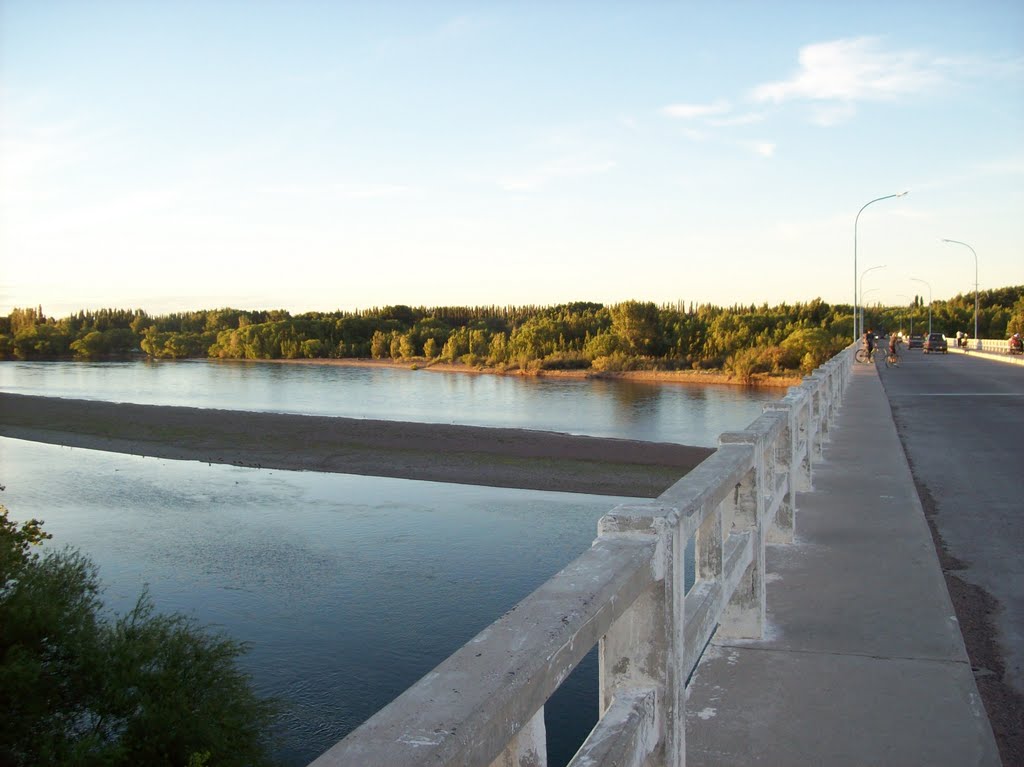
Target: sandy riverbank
437	452
711	377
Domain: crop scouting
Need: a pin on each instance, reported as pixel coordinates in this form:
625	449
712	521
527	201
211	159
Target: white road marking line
967	394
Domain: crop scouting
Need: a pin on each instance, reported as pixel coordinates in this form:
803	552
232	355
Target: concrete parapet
484	704
474	704
991	350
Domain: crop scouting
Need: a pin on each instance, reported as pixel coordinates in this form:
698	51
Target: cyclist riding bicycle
869	343
894	341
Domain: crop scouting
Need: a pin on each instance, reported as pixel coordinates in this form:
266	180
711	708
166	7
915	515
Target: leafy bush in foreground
78	687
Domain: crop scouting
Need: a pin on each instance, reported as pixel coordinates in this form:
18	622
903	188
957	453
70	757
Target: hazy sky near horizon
340	155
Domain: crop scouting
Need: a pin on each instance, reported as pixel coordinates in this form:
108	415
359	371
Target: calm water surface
684	413
348	589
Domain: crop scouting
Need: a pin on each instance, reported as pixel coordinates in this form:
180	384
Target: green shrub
565	361
809	346
613	363
744	363
78	687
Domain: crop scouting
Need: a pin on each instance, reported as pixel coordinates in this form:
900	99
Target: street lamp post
977	341
856	335
860	292
915	279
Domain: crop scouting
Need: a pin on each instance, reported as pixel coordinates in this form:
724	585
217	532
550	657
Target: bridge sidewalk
863	662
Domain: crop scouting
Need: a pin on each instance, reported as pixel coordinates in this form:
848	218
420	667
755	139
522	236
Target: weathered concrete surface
863	661
961	420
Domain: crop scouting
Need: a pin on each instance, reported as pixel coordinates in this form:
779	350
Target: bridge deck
863	662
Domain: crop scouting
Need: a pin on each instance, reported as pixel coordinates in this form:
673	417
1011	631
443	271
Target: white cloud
692	111
855	69
701	118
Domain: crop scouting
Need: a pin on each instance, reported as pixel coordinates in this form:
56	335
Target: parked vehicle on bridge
915	342
936	342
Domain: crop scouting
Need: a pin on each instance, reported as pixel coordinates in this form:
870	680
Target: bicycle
892	360
863	355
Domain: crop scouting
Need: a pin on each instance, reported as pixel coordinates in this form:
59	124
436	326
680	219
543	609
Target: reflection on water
347	588
684	413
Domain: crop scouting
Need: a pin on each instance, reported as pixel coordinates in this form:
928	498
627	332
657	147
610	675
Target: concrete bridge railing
990	348
484	705
994	345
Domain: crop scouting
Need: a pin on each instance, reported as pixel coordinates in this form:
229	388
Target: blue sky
342	155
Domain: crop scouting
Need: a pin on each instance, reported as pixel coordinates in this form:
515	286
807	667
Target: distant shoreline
709	377
495	457
702	377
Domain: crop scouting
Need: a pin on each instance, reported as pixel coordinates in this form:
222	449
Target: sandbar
474	455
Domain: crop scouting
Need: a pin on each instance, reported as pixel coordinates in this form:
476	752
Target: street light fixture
856	335
915	279
977	341
860	292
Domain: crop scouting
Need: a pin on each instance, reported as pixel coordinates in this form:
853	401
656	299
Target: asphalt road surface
961	420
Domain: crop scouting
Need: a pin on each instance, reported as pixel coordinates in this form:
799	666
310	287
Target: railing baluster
529	748
627	734
744	616
785	457
644	647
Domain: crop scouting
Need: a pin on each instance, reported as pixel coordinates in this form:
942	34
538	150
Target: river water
688	414
347	589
